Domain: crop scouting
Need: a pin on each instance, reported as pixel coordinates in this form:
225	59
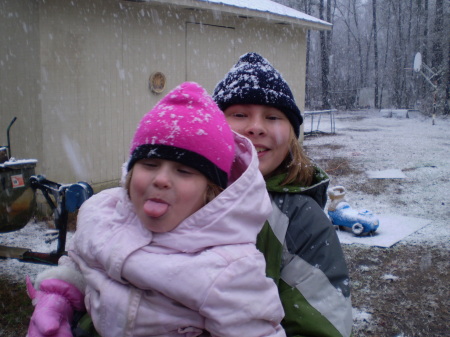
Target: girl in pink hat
172	252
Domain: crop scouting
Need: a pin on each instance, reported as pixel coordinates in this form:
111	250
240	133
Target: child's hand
54	304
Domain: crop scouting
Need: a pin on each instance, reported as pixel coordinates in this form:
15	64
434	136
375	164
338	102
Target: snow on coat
206	274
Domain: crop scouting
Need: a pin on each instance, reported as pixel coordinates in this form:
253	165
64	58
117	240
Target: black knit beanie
253	80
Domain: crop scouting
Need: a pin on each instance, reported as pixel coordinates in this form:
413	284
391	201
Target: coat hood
317	190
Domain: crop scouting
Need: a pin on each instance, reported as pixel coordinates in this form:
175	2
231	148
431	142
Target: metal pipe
7	136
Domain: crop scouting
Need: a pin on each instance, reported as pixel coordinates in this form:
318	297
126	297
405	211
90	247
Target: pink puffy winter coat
204	277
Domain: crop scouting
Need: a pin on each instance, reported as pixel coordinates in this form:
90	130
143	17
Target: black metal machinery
18	186
66	199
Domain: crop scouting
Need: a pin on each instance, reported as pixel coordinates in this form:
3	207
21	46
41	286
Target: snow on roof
269	7
258	8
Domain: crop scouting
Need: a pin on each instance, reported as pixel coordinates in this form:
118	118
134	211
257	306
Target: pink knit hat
186	126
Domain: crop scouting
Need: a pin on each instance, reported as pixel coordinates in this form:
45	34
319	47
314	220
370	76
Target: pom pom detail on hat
253	80
187	126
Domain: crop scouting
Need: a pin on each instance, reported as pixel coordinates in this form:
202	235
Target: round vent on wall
157	82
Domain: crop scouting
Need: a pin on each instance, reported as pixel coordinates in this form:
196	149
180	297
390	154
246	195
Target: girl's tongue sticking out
155	209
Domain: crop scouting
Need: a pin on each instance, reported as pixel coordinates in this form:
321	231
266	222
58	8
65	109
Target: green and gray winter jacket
305	259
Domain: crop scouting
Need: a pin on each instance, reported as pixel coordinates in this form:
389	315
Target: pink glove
54	304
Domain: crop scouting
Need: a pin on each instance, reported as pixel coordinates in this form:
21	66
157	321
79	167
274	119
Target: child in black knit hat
302	251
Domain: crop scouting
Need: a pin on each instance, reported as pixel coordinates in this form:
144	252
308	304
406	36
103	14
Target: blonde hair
298	167
212	190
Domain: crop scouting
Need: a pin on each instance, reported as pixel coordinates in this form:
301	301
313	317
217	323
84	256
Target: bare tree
342	61
438	55
349	11
425	33
307	9
437	60
375	50
324	62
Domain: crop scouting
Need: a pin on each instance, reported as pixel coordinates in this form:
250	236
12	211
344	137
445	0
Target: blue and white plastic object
342	215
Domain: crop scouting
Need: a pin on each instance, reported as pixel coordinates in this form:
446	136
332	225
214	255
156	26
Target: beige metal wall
20	77
85	70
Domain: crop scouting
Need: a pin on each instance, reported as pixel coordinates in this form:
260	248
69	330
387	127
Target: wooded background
373	45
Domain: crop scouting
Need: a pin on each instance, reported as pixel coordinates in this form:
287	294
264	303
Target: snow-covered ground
365	141
32	236
368	141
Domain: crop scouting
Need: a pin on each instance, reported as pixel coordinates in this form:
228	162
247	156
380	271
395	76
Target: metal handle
7	136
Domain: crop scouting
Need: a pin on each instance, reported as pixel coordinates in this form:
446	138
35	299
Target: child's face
164	193
268	128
